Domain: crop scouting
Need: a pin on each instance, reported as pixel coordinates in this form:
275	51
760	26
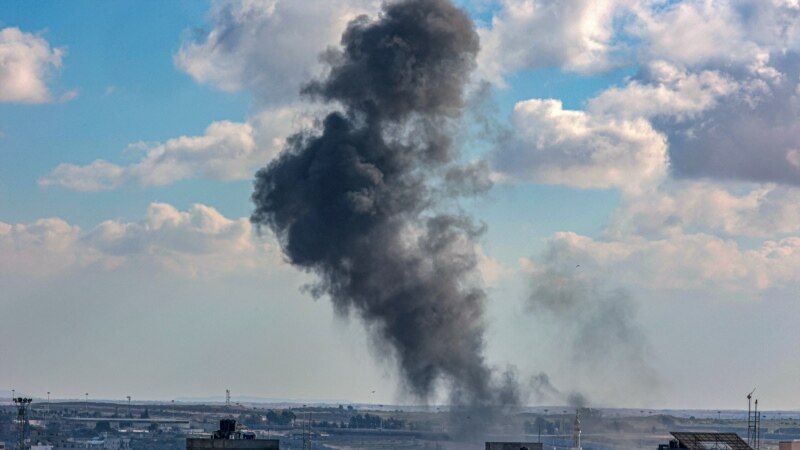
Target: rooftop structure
710	441
228	437
514	446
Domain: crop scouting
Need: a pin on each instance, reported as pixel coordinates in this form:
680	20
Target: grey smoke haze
596	327
543	391
366	205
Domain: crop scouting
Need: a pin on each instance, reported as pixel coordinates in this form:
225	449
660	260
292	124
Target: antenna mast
22	421
758	428
753	423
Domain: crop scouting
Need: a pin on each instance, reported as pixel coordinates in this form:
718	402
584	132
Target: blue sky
131	133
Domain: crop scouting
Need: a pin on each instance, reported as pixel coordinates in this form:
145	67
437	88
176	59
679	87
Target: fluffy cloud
698	261
267	46
670	91
26	63
530	34
752	135
692	32
717	32
199	241
722	82
44	246
719	80
226	151
745	210
549	144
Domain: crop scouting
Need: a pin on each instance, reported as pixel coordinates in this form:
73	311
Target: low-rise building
789	445
514	446
228	437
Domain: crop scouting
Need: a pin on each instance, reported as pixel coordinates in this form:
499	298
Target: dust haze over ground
367	204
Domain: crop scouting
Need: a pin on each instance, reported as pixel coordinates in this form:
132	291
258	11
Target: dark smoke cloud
363	204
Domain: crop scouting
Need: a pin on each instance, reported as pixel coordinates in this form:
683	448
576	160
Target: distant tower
228	398
753	423
307	433
576	431
758	427
22	421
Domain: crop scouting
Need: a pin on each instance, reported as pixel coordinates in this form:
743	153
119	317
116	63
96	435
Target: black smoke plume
367	204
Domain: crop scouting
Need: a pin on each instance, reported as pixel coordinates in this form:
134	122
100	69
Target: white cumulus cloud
531	34
549	144
269	47
754	210
226	151
696	262
199	241
26	63
671	91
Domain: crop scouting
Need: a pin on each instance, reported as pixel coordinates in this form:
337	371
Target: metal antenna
22	420
750	424
758	428
307	432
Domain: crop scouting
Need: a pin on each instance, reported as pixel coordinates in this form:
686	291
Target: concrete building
514	446
789	445
228	437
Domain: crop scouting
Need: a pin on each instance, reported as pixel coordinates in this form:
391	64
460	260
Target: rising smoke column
597	330
363	204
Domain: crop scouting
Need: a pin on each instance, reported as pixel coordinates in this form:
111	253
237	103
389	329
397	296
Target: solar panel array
711	441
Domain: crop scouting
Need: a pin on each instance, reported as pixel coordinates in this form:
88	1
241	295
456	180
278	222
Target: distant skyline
642	243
